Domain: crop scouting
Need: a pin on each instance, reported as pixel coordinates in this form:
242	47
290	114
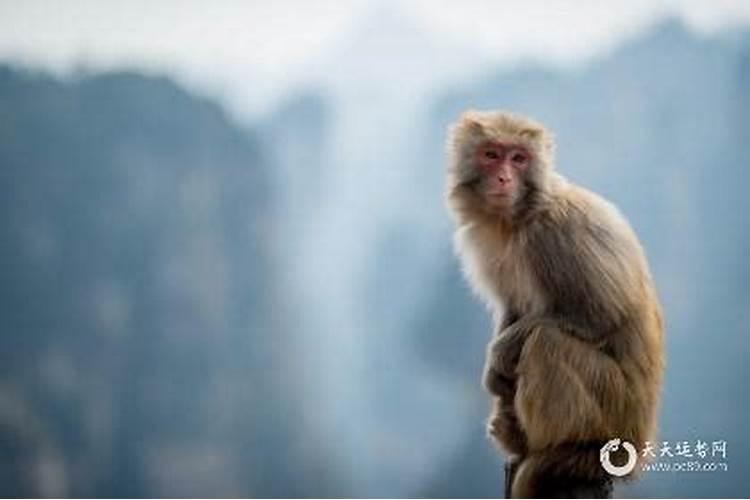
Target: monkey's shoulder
581	218
585	256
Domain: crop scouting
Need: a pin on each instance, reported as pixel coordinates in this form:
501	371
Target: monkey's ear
470	124
533	134
542	137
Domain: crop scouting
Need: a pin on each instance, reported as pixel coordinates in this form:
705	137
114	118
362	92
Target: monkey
576	358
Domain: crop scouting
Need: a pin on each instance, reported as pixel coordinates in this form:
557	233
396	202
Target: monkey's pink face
502	167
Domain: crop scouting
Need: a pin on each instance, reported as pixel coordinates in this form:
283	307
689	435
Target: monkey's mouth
500	199
500	192
502	189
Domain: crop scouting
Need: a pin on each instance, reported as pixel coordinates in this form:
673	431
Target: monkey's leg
570	399
567	390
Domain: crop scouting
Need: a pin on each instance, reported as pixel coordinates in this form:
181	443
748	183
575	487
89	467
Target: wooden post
510	473
562	489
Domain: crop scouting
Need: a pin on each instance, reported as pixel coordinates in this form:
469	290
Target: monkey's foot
503	429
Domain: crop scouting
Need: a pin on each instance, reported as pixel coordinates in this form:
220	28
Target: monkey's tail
569	470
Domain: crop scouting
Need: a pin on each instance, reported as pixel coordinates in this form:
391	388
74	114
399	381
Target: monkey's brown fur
577	359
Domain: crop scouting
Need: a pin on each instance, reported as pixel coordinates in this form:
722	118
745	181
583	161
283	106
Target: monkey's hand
503	353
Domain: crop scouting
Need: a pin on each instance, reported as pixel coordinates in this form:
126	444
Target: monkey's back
597	274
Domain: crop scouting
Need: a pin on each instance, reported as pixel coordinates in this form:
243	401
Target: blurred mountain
661	128
141	348
191	307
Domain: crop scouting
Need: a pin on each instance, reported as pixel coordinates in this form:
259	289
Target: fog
227	268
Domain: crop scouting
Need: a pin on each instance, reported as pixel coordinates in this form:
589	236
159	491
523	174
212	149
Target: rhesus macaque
577	357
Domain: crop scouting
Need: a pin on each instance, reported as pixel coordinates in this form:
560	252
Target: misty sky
226	45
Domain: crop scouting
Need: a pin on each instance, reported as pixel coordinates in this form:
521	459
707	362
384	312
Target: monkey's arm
585	265
503	423
505	347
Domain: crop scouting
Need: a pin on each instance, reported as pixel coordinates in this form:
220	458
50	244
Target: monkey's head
499	162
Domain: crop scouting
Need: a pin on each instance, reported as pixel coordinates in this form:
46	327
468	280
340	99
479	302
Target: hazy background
226	270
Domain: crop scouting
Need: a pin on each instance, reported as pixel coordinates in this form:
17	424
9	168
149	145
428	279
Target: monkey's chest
499	271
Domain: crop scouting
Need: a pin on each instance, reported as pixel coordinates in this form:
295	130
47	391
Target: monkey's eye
518	158
492	155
